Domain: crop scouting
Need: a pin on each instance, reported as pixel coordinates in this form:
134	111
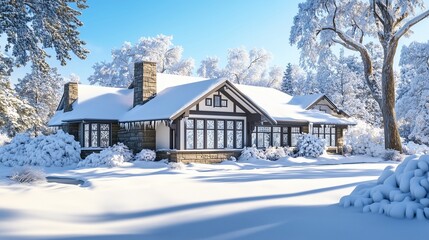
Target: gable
324	104
218	101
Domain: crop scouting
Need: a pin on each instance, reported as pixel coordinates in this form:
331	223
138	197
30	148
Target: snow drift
402	193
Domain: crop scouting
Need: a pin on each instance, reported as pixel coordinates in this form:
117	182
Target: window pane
230	124
285	139
253	139
217	101
230	139
276	139
285	129
328	140
200	124
210	138
104	138
239	139
333	137
200	139
276	129
86	135
220	124
266	139
104	127
210	124
220	139
239	125
190	123
189	139
264	129
94	135
316	131
260	140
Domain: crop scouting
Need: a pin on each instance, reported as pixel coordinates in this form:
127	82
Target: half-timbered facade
193	119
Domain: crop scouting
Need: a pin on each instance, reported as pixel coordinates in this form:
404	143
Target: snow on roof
95	102
164	80
171	101
174	93
305	101
278	106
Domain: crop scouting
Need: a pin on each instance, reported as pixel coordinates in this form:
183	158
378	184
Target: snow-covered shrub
251	152
59	149
310	146
364	139
28	175
176	166
400	193
392	155
274	153
112	156
4	139
146	155
411	148
347	149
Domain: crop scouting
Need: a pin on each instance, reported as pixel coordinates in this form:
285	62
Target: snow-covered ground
294	198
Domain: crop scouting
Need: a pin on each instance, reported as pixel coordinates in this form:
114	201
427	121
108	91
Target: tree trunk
392	139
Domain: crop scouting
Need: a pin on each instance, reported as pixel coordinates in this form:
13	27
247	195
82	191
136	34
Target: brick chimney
144	82
70	95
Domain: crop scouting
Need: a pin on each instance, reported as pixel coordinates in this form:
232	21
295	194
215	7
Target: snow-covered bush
310	146
411	148
4	139
400	193
28	175
274	153
364	139
59	149
251	152
176	166
393	155
112	156
146	155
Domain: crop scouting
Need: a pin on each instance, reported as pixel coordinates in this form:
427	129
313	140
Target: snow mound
310	146
146	155
402	193
59	149
112	156
176	166
251	153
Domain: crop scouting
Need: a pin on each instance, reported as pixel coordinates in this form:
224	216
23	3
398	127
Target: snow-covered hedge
59	149
310	146
400	193
411	148
251	153
111	157
146	155
28	174
364	139
270	153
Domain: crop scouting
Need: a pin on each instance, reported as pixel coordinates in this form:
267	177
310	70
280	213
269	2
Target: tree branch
409	24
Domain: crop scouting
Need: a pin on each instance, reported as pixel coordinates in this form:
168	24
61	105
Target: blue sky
202	28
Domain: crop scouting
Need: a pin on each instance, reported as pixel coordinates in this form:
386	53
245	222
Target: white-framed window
214	134
276	136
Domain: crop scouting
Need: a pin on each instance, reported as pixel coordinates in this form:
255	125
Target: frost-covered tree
353	24
286	86
42	91
16	115
413	92
30	27
244	67
160	49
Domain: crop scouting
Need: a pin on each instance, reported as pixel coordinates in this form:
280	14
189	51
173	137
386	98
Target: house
192	119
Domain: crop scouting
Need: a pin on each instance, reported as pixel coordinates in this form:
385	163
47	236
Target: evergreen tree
287	80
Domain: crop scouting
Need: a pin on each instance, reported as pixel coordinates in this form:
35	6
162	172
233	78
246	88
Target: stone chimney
144	82
70	95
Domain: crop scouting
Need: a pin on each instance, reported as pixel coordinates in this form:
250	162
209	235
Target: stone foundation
202	156
138	138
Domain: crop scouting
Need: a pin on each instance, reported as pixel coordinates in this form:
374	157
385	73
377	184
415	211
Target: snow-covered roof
95	102
171	101
305	101
278	106
175	93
